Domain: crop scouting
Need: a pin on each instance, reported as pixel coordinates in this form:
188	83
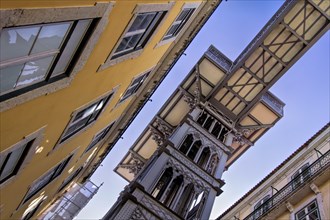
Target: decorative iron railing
311	171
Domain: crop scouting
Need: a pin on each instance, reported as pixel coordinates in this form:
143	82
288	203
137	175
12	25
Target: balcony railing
311	171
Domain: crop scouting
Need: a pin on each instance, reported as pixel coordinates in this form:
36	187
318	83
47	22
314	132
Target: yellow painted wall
54	110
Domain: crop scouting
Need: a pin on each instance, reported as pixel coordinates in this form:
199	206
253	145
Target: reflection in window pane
17	42
50	37
34	71
9	76
141	21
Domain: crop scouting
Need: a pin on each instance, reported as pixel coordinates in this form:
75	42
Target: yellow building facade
299	188
73	76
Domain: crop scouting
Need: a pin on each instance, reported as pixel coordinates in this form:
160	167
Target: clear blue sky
304	89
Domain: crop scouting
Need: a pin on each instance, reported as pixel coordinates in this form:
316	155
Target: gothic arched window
185	199
186	143
194	150
162	183
204	157
172	190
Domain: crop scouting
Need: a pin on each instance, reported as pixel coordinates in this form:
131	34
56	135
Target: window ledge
120	59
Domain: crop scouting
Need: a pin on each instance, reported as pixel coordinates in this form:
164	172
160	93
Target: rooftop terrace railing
311	171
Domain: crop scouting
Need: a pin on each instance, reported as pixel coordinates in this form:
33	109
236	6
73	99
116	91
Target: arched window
194	149
186	143
189	147
173	189
301	175
262	206
204	157
162	183
202	118
185	199
194	206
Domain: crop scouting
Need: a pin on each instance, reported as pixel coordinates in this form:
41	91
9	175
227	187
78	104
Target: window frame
308	212
35	16
105	131
107	96
181	23
54	172
184	26
139	9
34	139
67	181
145	75
56	55
301	175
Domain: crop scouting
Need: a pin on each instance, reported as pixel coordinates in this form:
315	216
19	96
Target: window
98	137
309	212
195	205
85	117
33	208
179	23
173	190
204	157
45	179
213	126
70	178
146	20
262	206
300	176
134	86
139	32
39	54
189	147
162	184
11	162
74	48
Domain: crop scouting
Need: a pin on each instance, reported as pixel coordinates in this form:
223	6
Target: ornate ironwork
310	172
134	166
163	127
157	137
240	138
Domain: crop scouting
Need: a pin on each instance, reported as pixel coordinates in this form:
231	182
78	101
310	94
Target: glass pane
128	43
142	21
39	184
17	42
76	127
129	92
50	37
71	47
183	14
9	76
172	30
34	71
11	163
301	214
